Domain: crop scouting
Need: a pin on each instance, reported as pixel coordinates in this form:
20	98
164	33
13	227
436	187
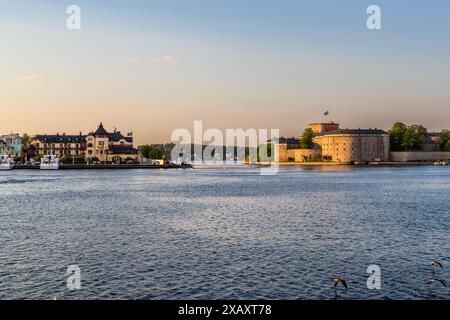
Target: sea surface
225	234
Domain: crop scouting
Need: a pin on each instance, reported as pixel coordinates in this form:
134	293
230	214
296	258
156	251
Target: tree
414	137
447	146
155	154
266	150
407	138
444	137
66	159
26	139
306	140
397	134
150	152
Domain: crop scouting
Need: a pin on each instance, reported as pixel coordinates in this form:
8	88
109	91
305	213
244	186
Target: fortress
337	145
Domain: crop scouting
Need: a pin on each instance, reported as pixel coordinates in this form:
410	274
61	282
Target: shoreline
258	165
374	164
106	166
331	164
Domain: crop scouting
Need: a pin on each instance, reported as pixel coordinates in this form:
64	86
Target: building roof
101	130
286	140
117	136
323	123
353	131
434	134
57	138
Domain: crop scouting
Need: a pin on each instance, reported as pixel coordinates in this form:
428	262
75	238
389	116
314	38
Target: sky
154	66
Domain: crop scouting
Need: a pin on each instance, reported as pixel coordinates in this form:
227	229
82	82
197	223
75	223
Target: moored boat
6	162
49	162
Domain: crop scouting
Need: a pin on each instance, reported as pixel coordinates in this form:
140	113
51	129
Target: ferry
6	162
49	162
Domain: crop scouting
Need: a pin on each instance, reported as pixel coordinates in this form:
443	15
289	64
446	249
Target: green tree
66	159
145	150
414	137
447	146
26	139
306	140
397	134
155	153
444	137
266	150
151	152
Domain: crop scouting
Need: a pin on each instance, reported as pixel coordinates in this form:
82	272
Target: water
200	234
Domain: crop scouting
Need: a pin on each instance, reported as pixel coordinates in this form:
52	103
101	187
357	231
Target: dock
106	166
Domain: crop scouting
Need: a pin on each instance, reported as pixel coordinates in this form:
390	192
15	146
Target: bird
338	280
438	280
435	264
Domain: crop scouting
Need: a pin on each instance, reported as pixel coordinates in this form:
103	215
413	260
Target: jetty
106	166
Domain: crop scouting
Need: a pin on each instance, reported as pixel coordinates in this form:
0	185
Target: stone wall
354	147
419	156
304	155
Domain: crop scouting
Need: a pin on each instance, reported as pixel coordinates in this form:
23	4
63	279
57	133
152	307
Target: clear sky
153	66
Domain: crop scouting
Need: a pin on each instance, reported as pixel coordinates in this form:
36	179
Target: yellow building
289	151
322	127
101	144
58	144
108	146
337	145
354	145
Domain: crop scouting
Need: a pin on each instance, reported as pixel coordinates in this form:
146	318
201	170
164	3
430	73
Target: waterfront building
100	144
11	144
432	142
354	145
337	145
59	145
109	146
289	150
322	127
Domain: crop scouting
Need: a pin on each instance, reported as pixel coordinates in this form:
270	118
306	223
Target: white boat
6	162
441	163
49	162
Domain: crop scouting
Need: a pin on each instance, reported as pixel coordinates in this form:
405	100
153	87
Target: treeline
163	151
414	138
156	151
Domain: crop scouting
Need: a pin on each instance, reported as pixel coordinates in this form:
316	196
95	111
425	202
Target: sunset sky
153	66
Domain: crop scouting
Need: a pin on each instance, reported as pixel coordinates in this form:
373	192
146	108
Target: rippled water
185	234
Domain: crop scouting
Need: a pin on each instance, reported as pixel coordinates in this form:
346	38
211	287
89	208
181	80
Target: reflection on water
192	234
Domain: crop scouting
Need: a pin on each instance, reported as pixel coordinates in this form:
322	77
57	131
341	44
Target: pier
106	166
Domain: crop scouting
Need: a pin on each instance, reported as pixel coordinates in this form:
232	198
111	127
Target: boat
441	163
49	162
6	162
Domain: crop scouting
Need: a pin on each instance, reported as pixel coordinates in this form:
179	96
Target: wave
16	181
